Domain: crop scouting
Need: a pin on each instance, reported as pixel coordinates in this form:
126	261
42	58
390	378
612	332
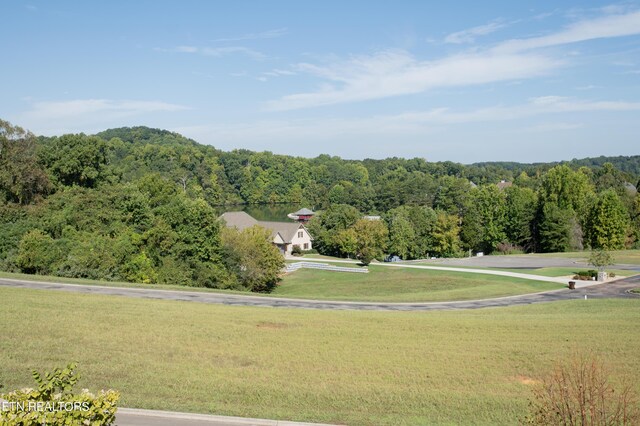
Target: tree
252	258
371	239
401	237
567	189
21	176
600	259
521	212
608	222
76	159
446	235
327	225
484	222
555	228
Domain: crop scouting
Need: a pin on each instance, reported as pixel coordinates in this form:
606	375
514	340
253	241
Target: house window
306	246
300	234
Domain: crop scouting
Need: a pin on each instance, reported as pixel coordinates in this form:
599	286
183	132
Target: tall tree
371	239
608	222
21	176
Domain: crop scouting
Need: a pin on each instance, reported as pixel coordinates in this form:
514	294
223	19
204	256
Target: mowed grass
356	368
395	284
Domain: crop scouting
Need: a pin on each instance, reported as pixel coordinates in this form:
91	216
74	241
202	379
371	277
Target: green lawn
356	368
381	284
392	284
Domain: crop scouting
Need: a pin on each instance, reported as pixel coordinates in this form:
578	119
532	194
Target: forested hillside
137	204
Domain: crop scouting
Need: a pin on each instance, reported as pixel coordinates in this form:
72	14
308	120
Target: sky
463	81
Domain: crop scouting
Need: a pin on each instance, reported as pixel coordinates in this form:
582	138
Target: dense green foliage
137	204
54	402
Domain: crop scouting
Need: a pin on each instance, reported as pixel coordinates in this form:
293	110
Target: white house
285	234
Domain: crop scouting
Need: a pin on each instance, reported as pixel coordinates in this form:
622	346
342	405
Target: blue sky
463	81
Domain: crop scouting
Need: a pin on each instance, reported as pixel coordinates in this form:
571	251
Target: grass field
356	368
381	284
403	285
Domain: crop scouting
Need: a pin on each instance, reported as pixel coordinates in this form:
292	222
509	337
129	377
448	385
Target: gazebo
302	215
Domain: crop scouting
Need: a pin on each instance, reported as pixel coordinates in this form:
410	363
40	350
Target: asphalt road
135	417
616	289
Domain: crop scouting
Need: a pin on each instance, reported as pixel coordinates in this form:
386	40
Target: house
284	235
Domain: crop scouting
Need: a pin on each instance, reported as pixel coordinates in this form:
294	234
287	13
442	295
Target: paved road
135	417
523	262
617	289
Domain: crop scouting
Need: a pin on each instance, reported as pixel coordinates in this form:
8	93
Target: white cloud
590	29
396	72
275	33
216	52
283	135
469	35
54	117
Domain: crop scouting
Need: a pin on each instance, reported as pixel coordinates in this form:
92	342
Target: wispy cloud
397	72
469	35
216	52
590	29
275	33
52	117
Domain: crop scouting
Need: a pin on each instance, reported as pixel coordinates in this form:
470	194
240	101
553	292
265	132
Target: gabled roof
287	230
304	212
240	220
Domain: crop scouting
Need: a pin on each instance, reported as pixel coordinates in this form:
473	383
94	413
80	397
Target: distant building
503	184
369	217
284	235
302	215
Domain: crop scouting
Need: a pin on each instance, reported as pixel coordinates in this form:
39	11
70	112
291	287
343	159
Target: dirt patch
272	325
529	381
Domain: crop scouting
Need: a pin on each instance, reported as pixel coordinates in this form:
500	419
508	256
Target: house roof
304	211
631	188
240	220
287	230
284	231
504	184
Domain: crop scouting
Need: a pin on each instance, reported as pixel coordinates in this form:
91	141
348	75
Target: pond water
268	212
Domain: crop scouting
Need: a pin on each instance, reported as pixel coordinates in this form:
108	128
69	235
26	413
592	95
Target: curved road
616	289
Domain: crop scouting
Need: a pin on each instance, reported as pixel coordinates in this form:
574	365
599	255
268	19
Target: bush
296	250
310	251
53	402
586	275
508	248
578	392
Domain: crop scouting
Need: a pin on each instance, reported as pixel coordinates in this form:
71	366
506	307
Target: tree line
137	204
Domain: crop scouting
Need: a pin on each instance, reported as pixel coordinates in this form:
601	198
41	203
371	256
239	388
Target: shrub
508	248
53	402
296	250
310	251
585	275
578	392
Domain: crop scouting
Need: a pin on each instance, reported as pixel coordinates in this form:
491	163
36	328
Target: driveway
616	289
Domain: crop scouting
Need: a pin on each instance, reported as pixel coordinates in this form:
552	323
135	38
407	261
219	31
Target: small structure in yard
292	267
302	215
285	235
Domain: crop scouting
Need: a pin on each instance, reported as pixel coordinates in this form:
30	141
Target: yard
388	284
356	368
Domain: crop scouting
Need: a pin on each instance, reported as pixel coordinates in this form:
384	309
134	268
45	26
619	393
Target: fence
292	267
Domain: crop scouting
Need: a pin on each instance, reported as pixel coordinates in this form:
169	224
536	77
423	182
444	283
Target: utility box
602	276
